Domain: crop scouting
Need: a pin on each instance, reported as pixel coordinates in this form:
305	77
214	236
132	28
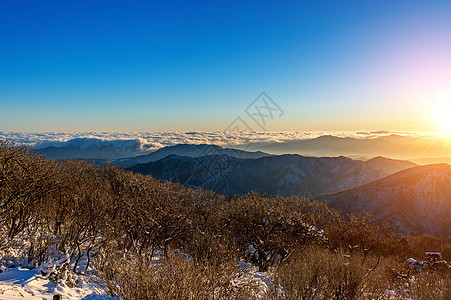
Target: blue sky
196	65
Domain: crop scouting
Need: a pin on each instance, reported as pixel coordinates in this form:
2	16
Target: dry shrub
316	273
427	286
24	182
269	227
171	277
429	279
358	233
416	246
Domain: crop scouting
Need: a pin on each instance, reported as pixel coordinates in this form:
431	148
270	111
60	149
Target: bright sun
443	116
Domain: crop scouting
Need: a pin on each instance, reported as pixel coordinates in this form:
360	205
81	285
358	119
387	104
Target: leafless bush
171	277
268	228
318	273
427	286
24	183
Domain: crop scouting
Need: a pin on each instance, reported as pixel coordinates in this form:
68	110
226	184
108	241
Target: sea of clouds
146	142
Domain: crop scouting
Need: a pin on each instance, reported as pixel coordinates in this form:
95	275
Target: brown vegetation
149	239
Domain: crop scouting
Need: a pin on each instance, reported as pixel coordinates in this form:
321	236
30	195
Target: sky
197	65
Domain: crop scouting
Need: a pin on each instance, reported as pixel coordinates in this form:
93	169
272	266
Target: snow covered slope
23	283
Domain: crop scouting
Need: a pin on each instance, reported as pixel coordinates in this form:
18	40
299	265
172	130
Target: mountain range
92	149
187	150
284	175
119	153
419	149
411	198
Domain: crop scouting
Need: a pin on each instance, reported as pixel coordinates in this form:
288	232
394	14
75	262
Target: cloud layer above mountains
151	141
360	145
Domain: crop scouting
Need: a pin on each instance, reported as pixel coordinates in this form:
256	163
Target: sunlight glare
443	115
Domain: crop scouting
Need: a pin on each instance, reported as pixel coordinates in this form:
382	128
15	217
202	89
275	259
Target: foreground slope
416	200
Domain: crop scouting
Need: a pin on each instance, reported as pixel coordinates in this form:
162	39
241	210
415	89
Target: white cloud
150	141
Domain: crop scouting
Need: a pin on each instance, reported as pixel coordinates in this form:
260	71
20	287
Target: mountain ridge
285	175
188	150
394	146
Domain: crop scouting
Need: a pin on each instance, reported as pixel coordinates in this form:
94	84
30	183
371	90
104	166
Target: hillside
273	175
388	166
416	200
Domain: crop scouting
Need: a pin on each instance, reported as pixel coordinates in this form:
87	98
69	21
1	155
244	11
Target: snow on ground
251	275
18	280
23	283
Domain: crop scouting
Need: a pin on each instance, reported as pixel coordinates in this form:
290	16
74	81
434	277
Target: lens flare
443	116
